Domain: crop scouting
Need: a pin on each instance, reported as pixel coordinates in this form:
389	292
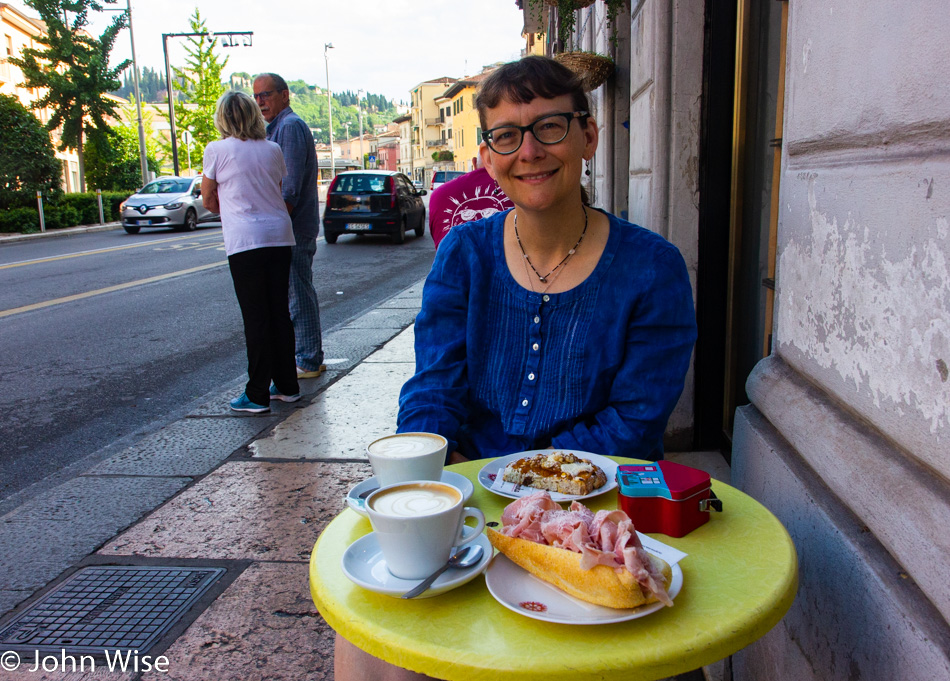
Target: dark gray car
167	202
373	202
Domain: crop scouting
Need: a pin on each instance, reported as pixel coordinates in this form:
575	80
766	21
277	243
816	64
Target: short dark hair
524	80
279	83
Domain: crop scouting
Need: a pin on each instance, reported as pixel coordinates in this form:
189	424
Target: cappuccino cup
407	456
418	523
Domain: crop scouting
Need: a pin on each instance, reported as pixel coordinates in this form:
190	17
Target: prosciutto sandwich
595	557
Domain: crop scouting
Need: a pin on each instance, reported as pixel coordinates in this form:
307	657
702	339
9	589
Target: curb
60	232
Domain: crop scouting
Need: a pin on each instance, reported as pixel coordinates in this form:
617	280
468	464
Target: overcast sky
381	46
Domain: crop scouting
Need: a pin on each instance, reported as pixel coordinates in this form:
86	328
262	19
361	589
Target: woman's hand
455	457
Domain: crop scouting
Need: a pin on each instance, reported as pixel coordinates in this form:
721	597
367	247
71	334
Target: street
107	335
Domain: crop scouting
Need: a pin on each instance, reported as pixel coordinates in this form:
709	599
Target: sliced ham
605	538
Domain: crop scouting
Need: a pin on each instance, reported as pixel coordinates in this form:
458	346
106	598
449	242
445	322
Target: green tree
112	163
27	161
73	70
200	82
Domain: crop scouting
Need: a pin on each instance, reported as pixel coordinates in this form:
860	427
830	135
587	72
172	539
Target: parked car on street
373	202
167	202
440	177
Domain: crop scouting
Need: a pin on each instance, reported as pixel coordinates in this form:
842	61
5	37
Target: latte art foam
408	445
415	500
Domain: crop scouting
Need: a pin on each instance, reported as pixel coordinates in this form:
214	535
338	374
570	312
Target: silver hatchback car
167	202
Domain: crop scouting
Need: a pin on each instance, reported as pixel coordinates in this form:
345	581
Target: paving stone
95	670
251	510
384	318
356	410
410	298
400	349
263	627
50	533
9	599
190	447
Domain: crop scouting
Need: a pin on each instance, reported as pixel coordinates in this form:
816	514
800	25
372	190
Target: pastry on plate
556	471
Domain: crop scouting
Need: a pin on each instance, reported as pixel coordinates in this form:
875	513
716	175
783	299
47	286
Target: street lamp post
143	159
226	42
326	58
359	107
138	97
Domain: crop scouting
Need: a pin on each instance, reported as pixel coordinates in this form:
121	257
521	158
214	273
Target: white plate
495	467
364	565
520	591
460	482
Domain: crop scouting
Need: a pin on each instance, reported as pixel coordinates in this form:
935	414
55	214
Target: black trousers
260	279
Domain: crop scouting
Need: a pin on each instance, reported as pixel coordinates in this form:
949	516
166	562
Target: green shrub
23	220
66	210
85	206
61	216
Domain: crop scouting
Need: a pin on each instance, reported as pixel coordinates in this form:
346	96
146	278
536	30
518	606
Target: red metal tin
666	497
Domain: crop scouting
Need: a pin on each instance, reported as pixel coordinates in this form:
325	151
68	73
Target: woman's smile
536	177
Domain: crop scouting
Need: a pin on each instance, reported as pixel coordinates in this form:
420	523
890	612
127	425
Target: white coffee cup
418	523
407	456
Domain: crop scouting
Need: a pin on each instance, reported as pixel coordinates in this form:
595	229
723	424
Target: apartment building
404	156
20	31
426	126
466	128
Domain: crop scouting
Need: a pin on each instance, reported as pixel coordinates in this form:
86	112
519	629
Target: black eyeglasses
550	129
258	96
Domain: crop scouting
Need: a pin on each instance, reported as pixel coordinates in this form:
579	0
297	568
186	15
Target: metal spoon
466	557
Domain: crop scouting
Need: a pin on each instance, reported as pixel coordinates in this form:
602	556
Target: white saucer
364	565
463	484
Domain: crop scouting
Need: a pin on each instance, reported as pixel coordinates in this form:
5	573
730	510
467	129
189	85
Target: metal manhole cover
108	607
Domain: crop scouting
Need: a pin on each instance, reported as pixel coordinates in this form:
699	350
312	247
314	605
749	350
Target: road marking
108	289
99	250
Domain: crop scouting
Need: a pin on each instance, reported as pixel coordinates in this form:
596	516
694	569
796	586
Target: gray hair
279	83
237	115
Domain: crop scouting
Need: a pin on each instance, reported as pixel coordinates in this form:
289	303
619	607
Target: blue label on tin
642	481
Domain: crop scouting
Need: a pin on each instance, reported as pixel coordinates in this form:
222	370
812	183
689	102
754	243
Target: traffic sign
186	138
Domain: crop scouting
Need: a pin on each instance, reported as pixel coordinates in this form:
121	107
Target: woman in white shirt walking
241	181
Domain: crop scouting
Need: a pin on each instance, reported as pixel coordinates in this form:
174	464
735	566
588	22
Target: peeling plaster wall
863	280
864	295
858	387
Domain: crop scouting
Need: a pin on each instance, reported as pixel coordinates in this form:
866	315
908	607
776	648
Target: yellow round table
739	580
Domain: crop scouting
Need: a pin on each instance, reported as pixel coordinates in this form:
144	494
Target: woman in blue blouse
553	324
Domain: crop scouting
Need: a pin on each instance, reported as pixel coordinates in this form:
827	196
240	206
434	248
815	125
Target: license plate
145	222
358	226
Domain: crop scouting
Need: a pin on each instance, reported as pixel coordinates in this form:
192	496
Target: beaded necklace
544	278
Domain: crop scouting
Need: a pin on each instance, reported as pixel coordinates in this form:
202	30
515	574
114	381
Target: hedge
66	210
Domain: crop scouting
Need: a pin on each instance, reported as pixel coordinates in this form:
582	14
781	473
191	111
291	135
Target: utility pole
359	107
326	58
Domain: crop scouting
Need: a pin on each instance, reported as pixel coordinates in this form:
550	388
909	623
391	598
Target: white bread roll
601	584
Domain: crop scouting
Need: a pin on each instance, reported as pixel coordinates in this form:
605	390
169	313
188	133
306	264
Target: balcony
435	143
434	121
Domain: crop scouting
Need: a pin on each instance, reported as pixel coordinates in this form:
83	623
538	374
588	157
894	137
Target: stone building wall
847	438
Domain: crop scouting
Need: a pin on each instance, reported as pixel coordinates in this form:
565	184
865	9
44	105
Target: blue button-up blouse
598	368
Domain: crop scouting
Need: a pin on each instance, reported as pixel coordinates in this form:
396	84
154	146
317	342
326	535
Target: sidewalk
250	494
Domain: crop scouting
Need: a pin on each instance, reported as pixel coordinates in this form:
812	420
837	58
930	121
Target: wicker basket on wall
594	69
